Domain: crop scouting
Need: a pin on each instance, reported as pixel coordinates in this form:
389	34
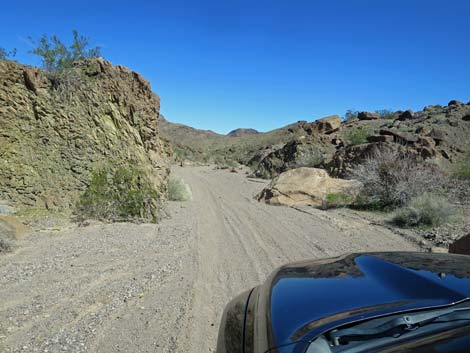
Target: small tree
55	55
350	115
385	113
5	54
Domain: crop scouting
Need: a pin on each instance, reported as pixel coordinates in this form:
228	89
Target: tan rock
305	186
12	228
327	124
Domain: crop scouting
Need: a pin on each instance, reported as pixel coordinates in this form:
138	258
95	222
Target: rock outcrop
55	130
306	186
325	125
307	151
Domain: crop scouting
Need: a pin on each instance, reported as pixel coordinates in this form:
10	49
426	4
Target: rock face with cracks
56	129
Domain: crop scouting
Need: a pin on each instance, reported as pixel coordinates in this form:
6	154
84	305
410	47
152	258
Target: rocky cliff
57	129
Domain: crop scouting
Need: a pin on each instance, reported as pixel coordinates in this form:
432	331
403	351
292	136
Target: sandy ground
162	288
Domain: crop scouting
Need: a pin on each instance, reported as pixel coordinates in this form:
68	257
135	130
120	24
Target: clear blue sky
223	64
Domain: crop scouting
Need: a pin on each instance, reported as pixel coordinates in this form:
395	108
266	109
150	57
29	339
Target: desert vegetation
178	190
462	168
56	55
58	61
119	193
401	182
356	136
425	210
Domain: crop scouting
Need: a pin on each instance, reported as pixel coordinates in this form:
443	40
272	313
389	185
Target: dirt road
162	288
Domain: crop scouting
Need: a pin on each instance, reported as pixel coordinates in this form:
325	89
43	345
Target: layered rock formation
55	130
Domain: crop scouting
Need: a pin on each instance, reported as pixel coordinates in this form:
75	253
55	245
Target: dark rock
406	115
461	246
368	116
400	136
380	138
455	103
427	152
466	117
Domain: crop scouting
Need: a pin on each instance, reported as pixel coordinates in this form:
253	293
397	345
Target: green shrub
356	136
462	168
55	55
178	190
385	113
350	115
119	193
426	210
335	200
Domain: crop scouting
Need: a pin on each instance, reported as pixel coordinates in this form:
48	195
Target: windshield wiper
398	325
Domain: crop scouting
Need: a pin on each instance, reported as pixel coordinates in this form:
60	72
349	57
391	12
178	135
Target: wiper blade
395	326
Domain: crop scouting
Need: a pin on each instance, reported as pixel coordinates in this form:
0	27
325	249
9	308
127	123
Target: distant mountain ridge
242	131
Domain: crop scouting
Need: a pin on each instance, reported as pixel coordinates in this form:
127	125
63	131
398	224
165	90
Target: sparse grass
462	168
118	193
335	200
385	113
425	210
178	190
356	136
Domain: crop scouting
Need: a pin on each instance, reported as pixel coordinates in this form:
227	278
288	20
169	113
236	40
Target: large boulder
11	227
325	125
461	246
306	186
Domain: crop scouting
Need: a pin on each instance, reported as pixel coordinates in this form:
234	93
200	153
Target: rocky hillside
439	132
56	130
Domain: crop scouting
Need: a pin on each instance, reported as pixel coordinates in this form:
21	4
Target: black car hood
309	298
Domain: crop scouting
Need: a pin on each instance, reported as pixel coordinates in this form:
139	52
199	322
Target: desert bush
462	168
385	113
58	59
178	190
425	210
118	193
356	136
55	55
391	178
335	200
350	115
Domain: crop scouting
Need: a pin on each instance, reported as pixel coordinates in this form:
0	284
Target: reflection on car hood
309	298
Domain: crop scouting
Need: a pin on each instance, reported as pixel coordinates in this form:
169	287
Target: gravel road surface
162	288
